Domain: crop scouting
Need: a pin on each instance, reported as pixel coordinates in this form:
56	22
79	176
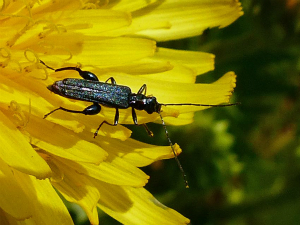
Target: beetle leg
84	74
149	132
143	89
116	121
96	132
134	117
90	110
112	80
87	75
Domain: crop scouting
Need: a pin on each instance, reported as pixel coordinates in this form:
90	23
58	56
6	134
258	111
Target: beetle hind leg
90	110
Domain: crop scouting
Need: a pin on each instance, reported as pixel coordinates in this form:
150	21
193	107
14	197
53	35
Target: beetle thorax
142	102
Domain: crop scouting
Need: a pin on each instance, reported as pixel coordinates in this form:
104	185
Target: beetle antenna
196	104
174	152
46	65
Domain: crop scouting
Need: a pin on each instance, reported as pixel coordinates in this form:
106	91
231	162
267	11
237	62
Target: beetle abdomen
107	94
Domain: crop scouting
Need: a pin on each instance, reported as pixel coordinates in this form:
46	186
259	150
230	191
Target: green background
242	162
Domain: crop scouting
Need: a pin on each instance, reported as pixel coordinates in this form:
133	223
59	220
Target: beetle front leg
134	117
90	110
143	89
112	80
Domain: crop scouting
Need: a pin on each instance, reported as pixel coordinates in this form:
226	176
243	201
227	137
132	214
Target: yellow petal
199	62
131	5
89	22
180	120
214	93
49	6
18	153
139	153
12	195
3	218
78	188
114	52
136	206
20	89
170	66
113	170
94	22
62	142
36	93
48	208
174	75
187	18
97	51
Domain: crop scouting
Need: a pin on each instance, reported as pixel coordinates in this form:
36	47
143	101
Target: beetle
112	95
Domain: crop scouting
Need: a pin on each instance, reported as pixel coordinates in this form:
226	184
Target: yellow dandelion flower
111	39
